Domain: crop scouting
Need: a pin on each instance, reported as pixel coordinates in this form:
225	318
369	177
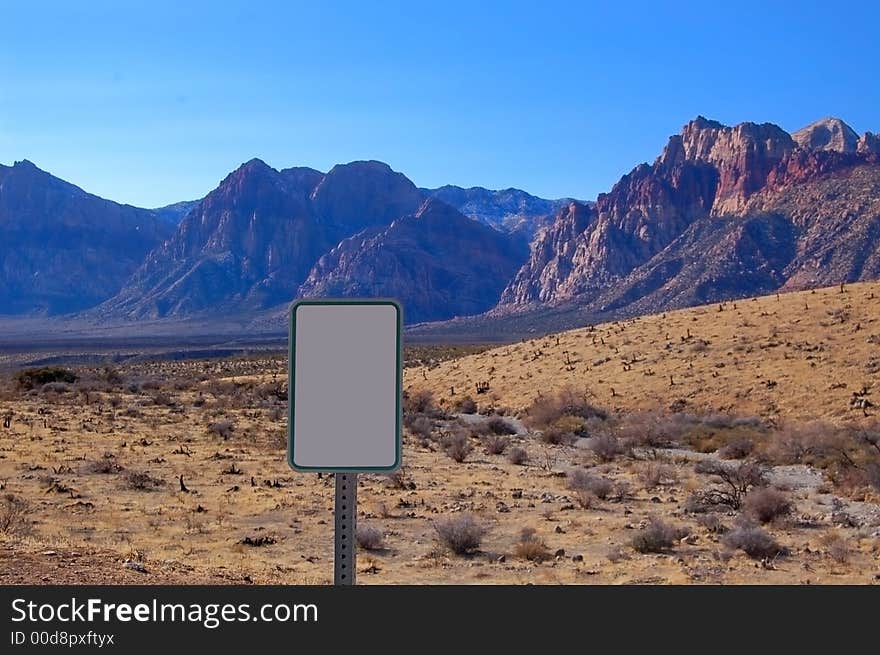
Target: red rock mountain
723	212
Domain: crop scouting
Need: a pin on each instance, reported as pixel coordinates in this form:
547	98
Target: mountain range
722	213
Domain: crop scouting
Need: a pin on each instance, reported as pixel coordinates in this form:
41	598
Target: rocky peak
868	144
827	134
743	156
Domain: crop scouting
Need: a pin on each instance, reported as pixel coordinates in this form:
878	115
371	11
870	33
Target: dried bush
106	465
517	456
555	436
14	520
737	449
583	480
585	498
163	398
766	504
497	425
655	474
606	447
30	378
461	534
546	410
530	547
732	421
420	425
735	482
753	541
369	538
422	402
801	443
495	444
466	405
656	537
652	429
223	428
142	481
399	480
457	447
711	522
837	547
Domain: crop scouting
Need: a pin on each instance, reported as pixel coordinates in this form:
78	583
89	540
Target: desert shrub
711	522
163	398
734	480
30	378
530	547
801	443
732	421
466	405
142	481
651	429
369	538
583	480
837	547
545	410
555	436
656	537
766	504
753	541
222	428
106	465
420	425
606	447
398	479
495	444
421	402
585	498
497	425
654	474
737	449
14	520
457	447
517	456
461	534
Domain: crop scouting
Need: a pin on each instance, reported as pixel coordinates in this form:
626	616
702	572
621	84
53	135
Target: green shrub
30	378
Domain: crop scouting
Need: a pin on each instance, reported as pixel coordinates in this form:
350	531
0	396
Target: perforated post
346	512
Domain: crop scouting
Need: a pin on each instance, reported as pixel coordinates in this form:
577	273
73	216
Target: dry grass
68	449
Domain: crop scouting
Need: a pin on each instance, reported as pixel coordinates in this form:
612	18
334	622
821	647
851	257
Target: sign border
291	378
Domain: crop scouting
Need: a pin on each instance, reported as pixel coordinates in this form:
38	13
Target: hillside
799	354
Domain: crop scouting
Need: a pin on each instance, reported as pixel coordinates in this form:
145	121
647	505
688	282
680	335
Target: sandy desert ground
733	443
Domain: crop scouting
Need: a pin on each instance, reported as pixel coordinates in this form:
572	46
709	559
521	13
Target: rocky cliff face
62	249
264	237
723	212
251	242
439	262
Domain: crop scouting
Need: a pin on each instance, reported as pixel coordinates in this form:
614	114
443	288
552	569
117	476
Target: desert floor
91	470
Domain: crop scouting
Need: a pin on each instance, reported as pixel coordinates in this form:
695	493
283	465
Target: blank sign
345	382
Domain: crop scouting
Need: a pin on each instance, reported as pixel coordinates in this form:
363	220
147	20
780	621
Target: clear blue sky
151	102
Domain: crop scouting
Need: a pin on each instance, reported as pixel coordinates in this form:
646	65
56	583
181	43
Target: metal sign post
345	382
345	547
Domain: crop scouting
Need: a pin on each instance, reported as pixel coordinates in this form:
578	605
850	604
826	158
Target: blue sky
150	102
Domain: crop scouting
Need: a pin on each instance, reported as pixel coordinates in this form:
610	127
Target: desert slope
798	354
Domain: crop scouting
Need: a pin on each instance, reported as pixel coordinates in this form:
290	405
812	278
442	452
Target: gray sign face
345	385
